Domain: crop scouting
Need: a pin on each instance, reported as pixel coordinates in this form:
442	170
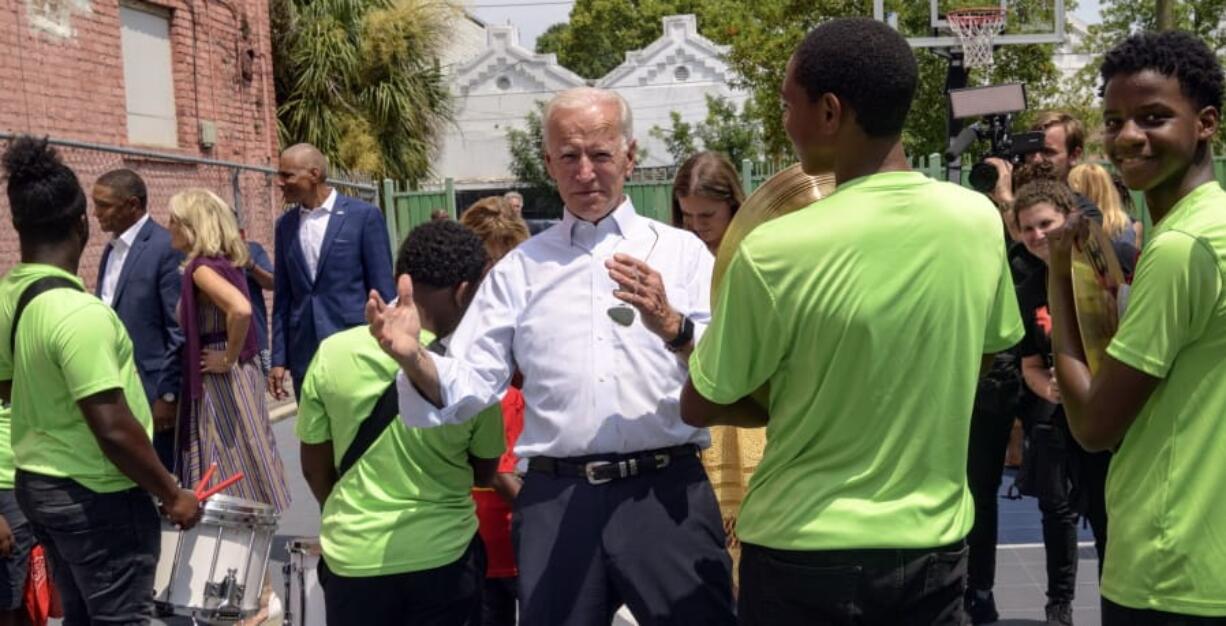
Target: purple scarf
194	341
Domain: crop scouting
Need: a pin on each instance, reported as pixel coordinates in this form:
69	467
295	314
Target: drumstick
221	486
204	482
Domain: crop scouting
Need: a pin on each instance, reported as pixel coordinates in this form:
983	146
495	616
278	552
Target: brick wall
61	74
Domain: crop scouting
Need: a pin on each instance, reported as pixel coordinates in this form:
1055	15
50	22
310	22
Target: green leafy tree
763	35
600	32
360	80
678	138
736	134
527	160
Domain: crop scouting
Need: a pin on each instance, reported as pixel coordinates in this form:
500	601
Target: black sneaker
981	606
1060	614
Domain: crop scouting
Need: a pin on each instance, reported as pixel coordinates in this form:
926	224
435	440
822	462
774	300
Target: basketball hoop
975	29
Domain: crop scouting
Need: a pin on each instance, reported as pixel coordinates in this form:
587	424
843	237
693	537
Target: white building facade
497	87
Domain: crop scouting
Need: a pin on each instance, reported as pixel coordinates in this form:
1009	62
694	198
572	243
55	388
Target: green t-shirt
1166	505
70	346
406	505
868	313
6	448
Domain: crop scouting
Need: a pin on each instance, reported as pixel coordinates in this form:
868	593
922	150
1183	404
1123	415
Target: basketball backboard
1026	21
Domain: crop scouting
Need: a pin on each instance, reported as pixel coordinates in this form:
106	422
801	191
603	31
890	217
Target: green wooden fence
653	199
404	208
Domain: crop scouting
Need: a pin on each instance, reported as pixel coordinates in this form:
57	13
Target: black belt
606	468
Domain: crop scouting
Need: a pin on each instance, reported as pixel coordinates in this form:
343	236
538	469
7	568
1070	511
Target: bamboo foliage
360	79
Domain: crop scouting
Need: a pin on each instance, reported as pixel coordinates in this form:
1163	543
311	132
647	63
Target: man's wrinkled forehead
591	122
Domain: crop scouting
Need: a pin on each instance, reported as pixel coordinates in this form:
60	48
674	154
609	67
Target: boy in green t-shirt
1159	395
399	528
80	422
870	315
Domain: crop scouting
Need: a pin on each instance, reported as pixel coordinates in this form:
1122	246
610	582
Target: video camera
996	105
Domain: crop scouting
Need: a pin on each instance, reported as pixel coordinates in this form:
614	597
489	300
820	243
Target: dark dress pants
654	542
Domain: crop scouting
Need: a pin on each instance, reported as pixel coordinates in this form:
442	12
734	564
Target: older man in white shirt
599	313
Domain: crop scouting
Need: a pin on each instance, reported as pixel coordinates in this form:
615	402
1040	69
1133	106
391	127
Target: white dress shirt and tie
615	507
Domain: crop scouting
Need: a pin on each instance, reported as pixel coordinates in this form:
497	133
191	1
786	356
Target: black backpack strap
36	289
384	412
386	409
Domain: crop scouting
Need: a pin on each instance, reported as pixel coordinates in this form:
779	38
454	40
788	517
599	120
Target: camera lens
983	177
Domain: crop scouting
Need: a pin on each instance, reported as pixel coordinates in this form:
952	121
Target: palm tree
360	79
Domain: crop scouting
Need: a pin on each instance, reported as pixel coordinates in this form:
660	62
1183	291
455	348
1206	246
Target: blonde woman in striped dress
223	416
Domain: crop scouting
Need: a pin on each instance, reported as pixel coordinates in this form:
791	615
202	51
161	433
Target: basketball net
975	29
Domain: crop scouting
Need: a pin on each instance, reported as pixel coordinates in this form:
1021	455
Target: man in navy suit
139	278
331	250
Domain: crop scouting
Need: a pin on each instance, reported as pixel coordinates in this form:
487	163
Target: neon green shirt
406	505
1166	507
868	313
6	448
70	346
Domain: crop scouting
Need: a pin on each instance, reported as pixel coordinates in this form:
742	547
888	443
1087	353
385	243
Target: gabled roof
505	67
680	46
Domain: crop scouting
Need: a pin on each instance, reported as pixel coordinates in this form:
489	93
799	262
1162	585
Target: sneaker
981	606
1059	614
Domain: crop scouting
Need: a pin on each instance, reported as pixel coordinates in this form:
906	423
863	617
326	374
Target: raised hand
396	326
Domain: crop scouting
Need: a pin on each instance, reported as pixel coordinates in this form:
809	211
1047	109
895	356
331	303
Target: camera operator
1063	145
1001	396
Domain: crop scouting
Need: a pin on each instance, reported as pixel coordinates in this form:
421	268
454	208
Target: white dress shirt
120	246
590	385
312	226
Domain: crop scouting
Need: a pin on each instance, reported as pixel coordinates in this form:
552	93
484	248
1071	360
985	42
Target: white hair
580	97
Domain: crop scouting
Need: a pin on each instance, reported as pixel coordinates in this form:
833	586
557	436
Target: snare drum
304	597
215	572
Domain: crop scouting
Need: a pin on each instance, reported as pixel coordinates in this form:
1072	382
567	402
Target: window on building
147	74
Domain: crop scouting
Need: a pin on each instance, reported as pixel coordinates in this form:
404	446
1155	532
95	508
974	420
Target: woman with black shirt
1069	481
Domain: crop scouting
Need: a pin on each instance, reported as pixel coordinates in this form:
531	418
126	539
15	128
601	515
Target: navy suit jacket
355	258
146	297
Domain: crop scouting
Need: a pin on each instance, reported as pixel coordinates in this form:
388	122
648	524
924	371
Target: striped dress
228	425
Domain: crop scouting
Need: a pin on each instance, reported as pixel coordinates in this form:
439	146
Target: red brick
73	89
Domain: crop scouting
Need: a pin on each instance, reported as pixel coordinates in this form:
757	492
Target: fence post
387	199
747	176
449	186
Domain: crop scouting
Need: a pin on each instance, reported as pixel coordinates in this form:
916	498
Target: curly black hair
441	254
864	62
45	196
1171	53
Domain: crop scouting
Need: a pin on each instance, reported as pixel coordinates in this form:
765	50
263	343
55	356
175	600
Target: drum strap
36	289
384	412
